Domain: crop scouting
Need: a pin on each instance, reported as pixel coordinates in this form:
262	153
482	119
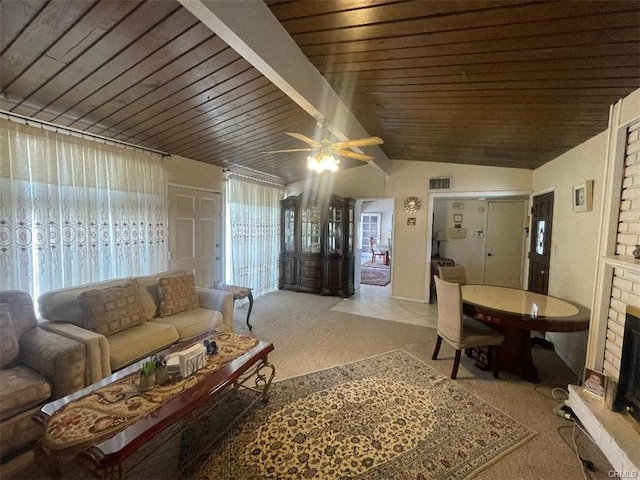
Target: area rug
386	417
379	275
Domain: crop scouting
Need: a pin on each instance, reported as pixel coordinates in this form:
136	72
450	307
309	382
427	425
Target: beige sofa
36	367
124	320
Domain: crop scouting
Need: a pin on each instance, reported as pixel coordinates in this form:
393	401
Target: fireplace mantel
622	261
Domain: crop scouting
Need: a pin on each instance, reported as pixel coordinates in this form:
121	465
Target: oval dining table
516	313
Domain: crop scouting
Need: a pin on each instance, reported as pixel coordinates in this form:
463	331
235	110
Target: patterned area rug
389	416
375	275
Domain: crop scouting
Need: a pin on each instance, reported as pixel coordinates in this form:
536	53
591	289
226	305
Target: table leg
250	296
263	381
515	354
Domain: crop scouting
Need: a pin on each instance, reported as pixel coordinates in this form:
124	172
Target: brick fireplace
617	291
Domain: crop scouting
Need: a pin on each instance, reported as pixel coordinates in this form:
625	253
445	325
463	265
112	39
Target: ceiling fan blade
359	142
354	155
305	139
291	150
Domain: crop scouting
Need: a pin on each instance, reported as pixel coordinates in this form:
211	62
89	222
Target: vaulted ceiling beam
250	28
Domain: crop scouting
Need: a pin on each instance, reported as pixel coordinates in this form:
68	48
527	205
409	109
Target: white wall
184	171
575	235
468	251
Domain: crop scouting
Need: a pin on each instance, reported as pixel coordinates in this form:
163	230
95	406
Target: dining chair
374	254
455	274
461	331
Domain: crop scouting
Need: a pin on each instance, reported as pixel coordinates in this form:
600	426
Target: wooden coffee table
107	457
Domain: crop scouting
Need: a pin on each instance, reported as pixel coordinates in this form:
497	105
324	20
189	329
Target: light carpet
387	416
379	275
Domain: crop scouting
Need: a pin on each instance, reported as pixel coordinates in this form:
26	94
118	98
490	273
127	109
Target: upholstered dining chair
455	274
374	254
461	331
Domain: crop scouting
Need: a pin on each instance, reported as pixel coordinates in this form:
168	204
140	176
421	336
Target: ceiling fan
326	150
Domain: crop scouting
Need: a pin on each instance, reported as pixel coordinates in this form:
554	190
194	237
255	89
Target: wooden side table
239	293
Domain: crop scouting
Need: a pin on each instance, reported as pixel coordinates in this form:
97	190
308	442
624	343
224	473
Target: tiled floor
374	301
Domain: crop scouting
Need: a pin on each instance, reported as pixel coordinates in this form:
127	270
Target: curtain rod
15	117
256	177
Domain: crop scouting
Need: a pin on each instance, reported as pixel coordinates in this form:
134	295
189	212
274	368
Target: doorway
375	220
458	228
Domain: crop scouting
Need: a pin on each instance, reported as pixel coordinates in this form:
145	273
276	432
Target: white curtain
75	211
253	234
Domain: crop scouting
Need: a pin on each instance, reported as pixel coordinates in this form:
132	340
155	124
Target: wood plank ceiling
500	83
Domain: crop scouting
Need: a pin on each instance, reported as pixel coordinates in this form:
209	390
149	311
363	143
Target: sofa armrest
58	358
218	300
98	352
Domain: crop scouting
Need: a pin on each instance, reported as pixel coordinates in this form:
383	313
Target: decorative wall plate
412	204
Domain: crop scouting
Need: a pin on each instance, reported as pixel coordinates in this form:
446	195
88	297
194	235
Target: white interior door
505	243
195	233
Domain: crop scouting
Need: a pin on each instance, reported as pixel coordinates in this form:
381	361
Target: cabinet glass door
289	229
310	223
334	244
350	227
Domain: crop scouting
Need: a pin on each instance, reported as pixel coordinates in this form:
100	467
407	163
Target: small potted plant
148	375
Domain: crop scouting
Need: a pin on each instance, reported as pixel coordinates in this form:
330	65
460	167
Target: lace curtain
75	211
253	234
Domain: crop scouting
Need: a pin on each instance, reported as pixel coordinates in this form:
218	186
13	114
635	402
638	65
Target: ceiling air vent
440	183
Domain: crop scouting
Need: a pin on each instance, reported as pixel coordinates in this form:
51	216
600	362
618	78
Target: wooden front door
195	233
540	249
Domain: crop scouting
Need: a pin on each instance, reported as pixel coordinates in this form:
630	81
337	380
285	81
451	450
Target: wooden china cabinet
317	242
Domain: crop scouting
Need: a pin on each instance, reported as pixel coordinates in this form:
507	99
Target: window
75	211
370	223
253	234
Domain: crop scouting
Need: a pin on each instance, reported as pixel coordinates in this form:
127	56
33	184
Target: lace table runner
110	409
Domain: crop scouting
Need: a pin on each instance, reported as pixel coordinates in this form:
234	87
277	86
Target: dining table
516	313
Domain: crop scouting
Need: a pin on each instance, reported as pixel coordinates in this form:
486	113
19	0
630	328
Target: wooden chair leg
493	352
437	349
456	364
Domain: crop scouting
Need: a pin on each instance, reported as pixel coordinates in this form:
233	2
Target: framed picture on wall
583	197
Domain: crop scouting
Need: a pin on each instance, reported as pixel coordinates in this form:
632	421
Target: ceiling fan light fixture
325	153
322	162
